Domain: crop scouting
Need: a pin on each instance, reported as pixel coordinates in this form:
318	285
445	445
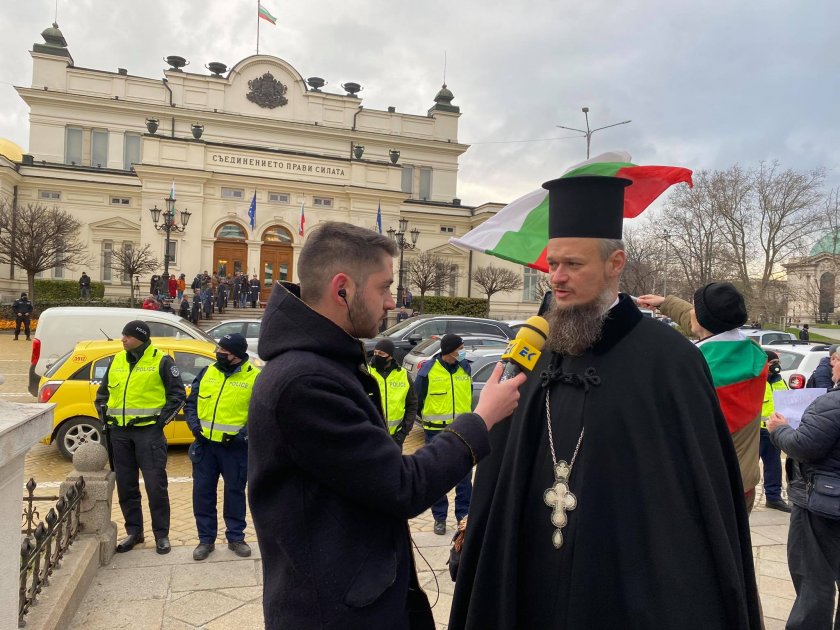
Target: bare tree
645	260
131	262
430	272
36	238
494	280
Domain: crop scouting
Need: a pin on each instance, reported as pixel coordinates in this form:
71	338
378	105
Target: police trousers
231	463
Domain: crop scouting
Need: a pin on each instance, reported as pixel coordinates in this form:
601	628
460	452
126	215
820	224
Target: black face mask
224	361
775	368
379	363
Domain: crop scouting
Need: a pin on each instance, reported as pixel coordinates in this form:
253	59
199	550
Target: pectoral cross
560	499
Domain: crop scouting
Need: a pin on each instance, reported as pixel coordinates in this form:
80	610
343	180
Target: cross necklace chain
558	496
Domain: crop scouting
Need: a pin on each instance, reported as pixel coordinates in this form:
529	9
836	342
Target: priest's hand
775	421
650	301
499	400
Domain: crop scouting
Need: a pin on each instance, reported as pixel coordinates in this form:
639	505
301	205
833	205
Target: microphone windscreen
534	332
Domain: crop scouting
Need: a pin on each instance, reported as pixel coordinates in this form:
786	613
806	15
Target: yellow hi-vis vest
767	408
223	400
393	391
447	396
136	392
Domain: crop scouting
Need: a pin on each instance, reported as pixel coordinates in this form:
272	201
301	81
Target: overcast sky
706	84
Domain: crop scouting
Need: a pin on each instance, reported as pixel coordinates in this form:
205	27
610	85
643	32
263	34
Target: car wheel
75	432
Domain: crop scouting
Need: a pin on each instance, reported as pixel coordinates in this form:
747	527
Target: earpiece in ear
342	293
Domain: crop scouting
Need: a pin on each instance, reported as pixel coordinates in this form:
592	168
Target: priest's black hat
588	206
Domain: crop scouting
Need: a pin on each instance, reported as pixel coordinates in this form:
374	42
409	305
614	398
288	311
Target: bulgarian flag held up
519	231
264	14
739	372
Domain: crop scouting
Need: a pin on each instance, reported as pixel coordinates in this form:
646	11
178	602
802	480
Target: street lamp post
169	225
588	132
399	238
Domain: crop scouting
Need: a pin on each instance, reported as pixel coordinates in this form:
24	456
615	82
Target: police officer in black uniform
23	310
141	391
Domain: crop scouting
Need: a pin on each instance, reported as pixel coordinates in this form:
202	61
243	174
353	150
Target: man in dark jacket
805	334
329	490
813	540
22	309
821	376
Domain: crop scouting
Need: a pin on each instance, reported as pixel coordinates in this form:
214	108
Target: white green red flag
302	220
739	373
519	231
264	14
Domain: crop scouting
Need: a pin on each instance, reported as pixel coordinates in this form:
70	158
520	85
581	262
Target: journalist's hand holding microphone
499	400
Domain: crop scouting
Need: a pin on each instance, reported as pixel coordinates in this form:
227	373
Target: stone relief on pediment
266	91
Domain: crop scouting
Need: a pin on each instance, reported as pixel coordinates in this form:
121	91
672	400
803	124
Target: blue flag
379	218
252	211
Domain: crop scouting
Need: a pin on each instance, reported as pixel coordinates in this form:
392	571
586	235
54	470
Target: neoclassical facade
108	146
813	283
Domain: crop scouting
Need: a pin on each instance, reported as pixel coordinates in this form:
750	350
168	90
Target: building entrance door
230	251
275	259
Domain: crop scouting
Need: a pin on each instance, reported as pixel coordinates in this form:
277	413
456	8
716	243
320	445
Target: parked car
762	337
798	361
482	362
72	381
408	333
60	328
430	348
248	328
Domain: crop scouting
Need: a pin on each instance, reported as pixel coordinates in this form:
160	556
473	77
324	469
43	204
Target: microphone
524	351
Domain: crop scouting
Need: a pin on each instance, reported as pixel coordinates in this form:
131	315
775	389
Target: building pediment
446	250
114	224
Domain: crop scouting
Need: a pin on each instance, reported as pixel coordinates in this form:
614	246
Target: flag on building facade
379	218
302	220
519	231
739	373
264	14
252	211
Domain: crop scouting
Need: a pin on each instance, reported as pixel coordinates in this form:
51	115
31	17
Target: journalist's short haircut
335	247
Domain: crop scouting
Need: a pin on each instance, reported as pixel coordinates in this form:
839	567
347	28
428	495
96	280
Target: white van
60	328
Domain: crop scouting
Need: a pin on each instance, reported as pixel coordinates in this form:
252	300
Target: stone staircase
231	313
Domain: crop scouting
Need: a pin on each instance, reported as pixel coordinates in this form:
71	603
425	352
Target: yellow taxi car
71	383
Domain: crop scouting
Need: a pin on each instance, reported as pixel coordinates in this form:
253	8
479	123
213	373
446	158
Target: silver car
248	328
429	349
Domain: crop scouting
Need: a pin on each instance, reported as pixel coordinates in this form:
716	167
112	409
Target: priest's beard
574	329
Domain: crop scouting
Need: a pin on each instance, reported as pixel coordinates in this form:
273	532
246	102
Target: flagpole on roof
258	27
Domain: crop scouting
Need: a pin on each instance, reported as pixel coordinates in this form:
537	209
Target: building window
99	148
425	183
277	234
73	146
407	185
131	150
120	201
231	230
322	202
233	193
107	260
530	284
173	249
128	247
447	229
274	197
52	195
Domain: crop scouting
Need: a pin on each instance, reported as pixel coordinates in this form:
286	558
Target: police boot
203	550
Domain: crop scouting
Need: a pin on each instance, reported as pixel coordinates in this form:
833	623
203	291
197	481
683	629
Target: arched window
231	230
278	235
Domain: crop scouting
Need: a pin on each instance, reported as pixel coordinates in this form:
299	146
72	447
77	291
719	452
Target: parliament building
107	146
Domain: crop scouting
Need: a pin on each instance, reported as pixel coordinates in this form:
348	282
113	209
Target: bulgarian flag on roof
264	14
739	372
519	231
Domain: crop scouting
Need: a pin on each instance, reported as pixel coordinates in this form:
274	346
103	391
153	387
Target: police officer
444	390
217	414
140	392
399	402
23	310
770	454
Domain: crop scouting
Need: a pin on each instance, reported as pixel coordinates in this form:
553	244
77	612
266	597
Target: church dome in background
828	244
10	150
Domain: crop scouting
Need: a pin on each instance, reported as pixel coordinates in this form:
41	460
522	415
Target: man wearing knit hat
217	414
738	365
444	390
770	454
140	392
399	401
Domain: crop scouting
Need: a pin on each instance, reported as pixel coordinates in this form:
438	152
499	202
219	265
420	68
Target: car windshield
394	330
199	334
55	366
788	360
421	347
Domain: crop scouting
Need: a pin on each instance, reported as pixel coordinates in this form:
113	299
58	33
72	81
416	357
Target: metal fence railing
44	542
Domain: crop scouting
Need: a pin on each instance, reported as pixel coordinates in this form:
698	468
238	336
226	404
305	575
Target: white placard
791	403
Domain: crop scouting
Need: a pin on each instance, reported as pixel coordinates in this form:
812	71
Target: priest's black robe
659	538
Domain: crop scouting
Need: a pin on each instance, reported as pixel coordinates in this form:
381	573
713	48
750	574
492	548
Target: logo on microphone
521	353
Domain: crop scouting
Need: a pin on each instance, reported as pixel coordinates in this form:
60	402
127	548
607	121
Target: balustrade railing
44	542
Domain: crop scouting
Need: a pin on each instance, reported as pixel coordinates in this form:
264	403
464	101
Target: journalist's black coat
659	537
330	492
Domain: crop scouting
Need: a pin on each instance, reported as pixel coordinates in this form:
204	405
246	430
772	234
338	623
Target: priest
612	498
